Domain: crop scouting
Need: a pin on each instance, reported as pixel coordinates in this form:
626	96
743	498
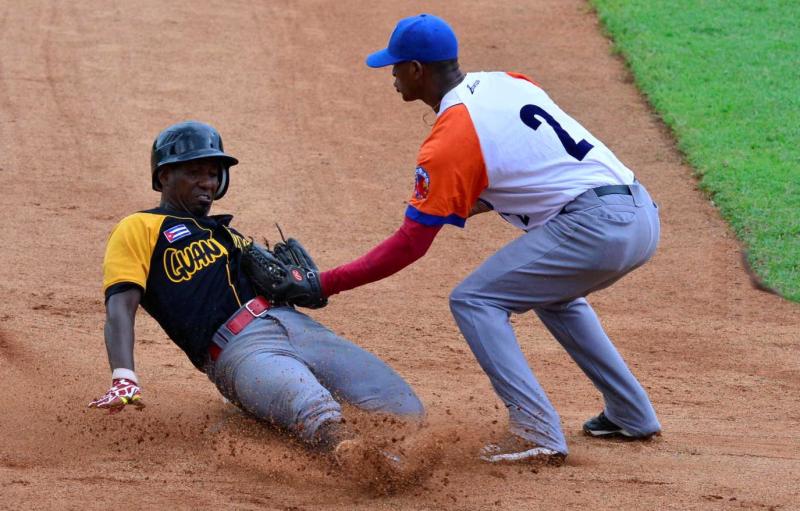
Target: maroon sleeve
406	245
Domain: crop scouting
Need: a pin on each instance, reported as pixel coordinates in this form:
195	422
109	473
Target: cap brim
382	58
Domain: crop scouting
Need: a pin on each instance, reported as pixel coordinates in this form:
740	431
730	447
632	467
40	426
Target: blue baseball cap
424	37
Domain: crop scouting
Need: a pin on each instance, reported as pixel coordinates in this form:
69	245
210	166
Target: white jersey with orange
499	138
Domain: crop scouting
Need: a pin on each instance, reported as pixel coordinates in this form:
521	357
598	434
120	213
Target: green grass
725	77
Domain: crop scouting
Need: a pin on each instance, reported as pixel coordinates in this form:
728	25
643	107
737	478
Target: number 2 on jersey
577	150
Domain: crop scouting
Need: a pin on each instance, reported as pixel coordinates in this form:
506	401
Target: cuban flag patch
177	232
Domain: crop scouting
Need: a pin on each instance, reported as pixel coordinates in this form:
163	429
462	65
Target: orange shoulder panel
523	77
451	173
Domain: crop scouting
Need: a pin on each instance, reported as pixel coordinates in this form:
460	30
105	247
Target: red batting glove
122	392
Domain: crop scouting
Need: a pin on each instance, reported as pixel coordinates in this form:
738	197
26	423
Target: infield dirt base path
327	149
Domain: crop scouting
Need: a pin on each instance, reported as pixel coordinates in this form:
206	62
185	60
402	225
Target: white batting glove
123	391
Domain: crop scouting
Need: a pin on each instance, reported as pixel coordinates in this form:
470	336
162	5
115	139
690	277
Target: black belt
613	190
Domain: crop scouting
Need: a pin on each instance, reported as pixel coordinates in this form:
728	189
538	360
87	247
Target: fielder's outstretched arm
409	243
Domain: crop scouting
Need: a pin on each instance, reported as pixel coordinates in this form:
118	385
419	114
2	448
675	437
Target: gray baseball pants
289	370
591	244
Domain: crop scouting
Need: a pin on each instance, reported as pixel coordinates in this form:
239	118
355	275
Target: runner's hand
122	392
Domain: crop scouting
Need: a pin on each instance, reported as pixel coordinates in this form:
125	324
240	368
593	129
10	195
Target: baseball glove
294	255
282	281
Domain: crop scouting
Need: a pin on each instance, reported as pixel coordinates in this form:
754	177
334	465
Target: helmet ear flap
223	183
156	181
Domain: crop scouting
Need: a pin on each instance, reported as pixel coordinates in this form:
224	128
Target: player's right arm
119	336
449	177
125	269
119	329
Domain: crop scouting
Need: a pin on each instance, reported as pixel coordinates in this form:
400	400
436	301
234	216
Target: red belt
253	309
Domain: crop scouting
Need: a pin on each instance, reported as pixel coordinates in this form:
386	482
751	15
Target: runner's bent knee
282	391
400	399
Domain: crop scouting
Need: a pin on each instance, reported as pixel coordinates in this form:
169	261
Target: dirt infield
327	149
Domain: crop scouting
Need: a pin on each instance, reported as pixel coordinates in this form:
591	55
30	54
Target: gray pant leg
591	245
577	328
481	305
491	338
350	373
261	373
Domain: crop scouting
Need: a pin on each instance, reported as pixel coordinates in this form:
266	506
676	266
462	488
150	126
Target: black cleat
601	427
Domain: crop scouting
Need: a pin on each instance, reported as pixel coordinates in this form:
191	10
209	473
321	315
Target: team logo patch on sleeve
175	233
422	183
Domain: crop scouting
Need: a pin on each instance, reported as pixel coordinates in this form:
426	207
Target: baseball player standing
184	267
501	144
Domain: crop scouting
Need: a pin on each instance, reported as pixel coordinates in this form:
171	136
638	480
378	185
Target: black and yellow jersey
188	268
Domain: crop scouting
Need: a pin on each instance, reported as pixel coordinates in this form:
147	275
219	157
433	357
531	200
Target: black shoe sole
617	434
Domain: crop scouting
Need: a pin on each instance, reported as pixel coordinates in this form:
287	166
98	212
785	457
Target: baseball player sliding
188	269
501	144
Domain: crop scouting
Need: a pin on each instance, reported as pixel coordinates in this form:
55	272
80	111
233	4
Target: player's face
407	76
191	186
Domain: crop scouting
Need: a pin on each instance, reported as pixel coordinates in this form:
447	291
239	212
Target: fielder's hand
122	392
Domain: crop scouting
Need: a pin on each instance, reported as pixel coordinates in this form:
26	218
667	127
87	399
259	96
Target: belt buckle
252	312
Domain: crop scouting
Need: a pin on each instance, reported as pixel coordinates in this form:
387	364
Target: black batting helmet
186	141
